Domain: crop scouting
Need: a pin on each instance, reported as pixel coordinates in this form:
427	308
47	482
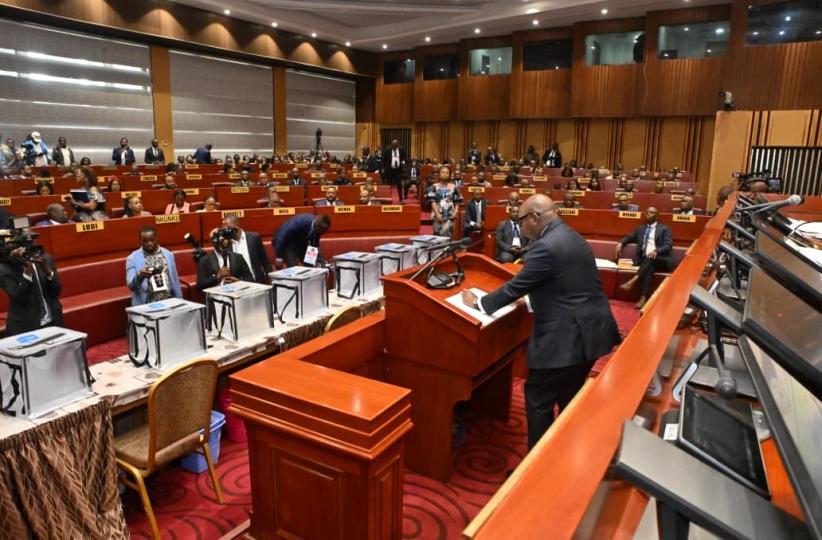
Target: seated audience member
513	199
686	207
179	204
366	199
623	204
295	236
85	162
91	207
33	290
342	179
228	167
168	182
482	180
512	178
114	185
691	192
659	187
74	170
569	201
567	171
44	188
264	181
209	204
272	199
26	172
55	215
722	195
594	185
134	171
122	155
245	180
627	186
151	274
330	198
221	266
294	178
525	183
154	154
250	246
133	207
510	242
654	243
475	211
572	185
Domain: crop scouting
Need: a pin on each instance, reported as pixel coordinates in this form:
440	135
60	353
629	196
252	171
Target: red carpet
185	507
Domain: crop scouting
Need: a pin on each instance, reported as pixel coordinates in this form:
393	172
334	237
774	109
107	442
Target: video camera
744	180
19	236
198	252
224	233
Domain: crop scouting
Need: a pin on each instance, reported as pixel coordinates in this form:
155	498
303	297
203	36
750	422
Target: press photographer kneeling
222	265
29	277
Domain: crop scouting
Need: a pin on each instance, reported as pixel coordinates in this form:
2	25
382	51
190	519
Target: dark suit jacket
150	158
493	157
372	164
552	161
386	158
505	237
297	233
474	156
662	238
471	212
324	202
697	211
209	265
202	155
24	313
573	323
57	156
260	263
115	156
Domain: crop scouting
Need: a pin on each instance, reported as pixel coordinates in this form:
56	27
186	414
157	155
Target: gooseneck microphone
793	200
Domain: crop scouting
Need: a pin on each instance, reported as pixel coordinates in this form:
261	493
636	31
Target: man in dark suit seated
33	288
475	211
221	266
686	207
573	324
250	246
154	154
296	235
330	198
203	154
511	243
294	178
55	215
623	204
569	201
654	243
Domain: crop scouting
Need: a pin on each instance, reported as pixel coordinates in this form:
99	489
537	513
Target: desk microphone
793	200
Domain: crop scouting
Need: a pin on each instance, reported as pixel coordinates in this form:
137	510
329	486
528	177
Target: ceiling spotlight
756	33
274	25
347	43
593	47
313	34
720	30
604	11
781	32
384	46
788	18
687	29
556	67
709	51
818	32
477	30
427	39
227	11
535	22
531	11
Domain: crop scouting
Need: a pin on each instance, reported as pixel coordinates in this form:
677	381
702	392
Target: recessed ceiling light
314	34
531	11
687	29
556	67
665	55
499	58
274	25
604	11
347	43
781	32
788	18
384	46
477	30
227	11
709	50
427	39
720	30
818	32
593	47
535	22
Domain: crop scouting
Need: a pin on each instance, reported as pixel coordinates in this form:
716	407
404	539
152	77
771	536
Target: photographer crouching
222	266
29	277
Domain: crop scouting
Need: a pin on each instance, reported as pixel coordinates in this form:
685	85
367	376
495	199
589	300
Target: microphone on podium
773	206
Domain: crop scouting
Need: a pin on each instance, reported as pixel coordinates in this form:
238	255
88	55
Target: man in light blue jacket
151	274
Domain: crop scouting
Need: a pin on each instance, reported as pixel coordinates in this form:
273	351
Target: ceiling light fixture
535	22
720	30
687	29
477	30
227	11
428	39
347	43
756	33
313	34
781	32
788	18
531	11
384	46
274	25
604	11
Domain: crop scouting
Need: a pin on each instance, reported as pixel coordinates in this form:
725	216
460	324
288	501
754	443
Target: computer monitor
787	236
790	268
795	418
788	328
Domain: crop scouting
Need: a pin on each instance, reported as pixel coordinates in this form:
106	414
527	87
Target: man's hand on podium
469	299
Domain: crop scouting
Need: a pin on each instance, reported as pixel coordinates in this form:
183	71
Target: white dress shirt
66	156
395	158
241	246
650	234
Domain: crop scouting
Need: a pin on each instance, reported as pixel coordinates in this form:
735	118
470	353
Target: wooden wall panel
633	142
395	103
685	86
280	110
775	77
598	142
672	142
457	143
161	98
482	97
788	128
539	94
434	101
604	91
565	138
702	167
506	135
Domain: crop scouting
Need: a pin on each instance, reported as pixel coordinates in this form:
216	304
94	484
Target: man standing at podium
573	323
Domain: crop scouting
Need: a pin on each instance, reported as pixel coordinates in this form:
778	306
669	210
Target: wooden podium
444	355
325	451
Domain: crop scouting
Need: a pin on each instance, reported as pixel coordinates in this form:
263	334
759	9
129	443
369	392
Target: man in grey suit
573	323
510	241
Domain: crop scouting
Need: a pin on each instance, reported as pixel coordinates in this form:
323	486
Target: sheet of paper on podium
456	300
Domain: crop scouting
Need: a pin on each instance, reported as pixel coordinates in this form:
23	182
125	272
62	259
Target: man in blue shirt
151	274
203	154
295	235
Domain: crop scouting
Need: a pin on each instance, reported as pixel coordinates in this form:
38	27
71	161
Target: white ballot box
299	292
396	257
426	245
43	370
357	273
238	310
167	333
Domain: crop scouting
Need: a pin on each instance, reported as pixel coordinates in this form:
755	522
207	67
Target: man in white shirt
61	154
221	266
393	162
249	245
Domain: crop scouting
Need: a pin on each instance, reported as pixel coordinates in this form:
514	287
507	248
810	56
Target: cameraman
151	274
222	266
31	282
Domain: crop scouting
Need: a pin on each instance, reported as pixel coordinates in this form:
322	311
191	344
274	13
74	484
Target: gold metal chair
179	406
343	317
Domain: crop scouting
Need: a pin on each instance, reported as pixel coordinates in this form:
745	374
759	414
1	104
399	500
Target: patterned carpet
185	507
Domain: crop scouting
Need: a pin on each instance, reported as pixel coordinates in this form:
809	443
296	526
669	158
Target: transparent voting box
43	370
299	292
357	273
167	333
239	310
396	257
426	245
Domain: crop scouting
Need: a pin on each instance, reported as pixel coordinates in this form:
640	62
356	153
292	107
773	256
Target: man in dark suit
203	154
295	236
511	243
393	162
61	154
221	266
686	207
492	157
294	178
474	154
573	324
154	154
249	245
552	158
475	212
122	155
33	289
330	198
370	161
55	215
653	252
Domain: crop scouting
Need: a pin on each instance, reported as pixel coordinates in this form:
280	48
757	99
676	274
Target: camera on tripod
20	236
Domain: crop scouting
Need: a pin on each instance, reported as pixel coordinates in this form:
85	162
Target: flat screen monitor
723	435
793	241
789	329
789	267
795	417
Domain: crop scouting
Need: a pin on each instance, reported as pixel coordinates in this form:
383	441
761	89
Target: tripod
319	151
